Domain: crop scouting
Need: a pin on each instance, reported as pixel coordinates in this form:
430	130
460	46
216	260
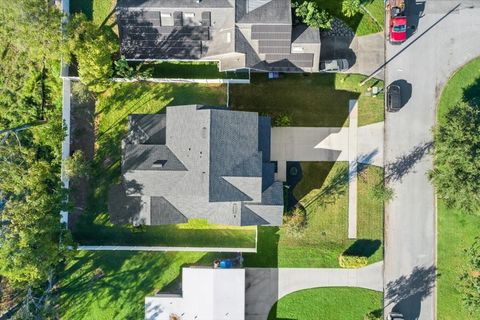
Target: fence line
166	249
174	80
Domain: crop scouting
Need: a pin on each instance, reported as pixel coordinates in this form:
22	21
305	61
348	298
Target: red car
398	29
398	21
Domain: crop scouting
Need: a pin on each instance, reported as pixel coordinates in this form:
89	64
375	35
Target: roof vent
204	132
159	164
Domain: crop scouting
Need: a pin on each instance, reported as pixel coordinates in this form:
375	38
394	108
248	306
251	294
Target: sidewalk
267	285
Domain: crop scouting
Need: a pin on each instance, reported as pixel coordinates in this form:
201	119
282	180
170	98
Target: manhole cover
293	171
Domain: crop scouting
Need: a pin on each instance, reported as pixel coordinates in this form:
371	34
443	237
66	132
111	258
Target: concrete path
352	169
264	286
369	54
325	144
445	38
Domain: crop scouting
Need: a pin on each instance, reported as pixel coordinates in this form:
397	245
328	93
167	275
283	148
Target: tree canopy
471	279
456	170
312	15
93	48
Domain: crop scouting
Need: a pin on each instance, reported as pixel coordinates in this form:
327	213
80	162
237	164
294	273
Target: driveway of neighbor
264	286
445	38
369	53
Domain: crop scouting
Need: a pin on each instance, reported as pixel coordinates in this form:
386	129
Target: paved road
446	37
264	286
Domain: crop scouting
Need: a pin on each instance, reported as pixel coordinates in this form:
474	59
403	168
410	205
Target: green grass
112	110
323	192
189	70
96	10
362	23
327	303
311	100
453	92
128	278
456	230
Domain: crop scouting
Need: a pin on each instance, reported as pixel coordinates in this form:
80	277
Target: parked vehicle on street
397	32
394	98
336	65
395	316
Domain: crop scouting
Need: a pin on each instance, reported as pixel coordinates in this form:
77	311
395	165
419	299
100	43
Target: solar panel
206	18
302	60
274	46
271	28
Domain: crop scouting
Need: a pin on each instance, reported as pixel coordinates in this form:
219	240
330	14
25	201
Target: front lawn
311	100
327	303
456	230
113	285
112	110
323	192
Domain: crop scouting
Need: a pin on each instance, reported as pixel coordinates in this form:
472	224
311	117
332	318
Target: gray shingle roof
212	163
258	32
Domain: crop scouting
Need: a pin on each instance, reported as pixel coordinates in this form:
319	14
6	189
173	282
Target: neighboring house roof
200	162
217	294
255	34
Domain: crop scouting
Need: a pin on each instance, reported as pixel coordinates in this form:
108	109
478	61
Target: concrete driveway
264	286
325	144
446	37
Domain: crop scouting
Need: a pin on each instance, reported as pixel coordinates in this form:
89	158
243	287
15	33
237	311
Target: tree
125	70
76	166
471	279
457	162
350	7
32	240
312	16
93	48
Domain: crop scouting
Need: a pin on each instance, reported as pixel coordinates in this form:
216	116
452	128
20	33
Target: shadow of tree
407	292
396	170
472	92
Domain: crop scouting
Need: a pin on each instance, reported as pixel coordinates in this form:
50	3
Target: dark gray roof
162	212
304	34
174	4
264	11
213	161
146	128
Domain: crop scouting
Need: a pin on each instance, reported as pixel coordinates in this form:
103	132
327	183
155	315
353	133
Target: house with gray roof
239	34
199	162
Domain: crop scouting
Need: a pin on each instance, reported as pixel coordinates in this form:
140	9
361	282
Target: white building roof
208	294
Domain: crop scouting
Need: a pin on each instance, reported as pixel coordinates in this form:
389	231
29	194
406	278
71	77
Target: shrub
312	15
374	315
382	192
76	166
350	7
282	120
124	70
346	261
295	223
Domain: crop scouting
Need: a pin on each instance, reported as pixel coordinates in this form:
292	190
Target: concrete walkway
352	169
264	286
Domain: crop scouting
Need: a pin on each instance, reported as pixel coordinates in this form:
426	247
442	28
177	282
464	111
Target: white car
395	316
336	65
